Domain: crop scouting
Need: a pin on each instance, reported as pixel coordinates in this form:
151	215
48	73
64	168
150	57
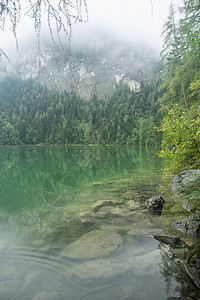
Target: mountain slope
92	68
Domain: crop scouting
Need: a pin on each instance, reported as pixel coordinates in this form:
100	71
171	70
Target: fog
130	20
133	21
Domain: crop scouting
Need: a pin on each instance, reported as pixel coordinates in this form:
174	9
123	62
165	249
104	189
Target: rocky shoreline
188	226
93	237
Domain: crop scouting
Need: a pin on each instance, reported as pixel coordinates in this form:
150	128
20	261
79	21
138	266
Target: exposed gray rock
192	265
176	180
189	225
181	225
155	204
171	240
87	69
183	178
94	244
182	182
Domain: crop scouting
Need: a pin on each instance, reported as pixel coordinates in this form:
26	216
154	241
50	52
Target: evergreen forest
33	114
164	111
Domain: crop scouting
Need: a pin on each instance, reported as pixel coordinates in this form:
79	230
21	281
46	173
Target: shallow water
47	198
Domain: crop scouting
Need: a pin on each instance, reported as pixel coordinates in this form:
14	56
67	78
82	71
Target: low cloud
133	21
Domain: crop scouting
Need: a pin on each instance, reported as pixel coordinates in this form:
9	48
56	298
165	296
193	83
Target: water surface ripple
52	199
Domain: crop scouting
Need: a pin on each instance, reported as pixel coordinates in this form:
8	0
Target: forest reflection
30	174
173	271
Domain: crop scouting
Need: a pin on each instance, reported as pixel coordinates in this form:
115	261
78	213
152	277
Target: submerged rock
8	288
133	205
118	214
139	263
144	231
94	244
155	204
171	240
49	296
182	298
98	268
101	203
189	225
130	195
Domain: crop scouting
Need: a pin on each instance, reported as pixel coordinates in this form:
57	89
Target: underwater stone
131	195
49	296
94	244
101	203
138	262
132	205
8	288
98	268
182	298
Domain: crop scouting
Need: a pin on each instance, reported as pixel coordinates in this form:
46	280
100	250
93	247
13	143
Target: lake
74	224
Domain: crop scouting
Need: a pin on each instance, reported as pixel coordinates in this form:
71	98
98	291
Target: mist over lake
99	150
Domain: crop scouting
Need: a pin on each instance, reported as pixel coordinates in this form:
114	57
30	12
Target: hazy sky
131	20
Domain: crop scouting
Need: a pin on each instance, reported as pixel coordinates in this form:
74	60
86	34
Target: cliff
88	69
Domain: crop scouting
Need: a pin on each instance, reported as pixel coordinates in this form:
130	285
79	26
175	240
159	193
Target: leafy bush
181	138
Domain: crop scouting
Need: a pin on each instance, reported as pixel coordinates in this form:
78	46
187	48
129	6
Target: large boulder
183	183
189	225
155	204
94	244
192	265
183	178
170	240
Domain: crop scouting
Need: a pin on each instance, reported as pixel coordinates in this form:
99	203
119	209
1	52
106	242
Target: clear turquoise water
46	198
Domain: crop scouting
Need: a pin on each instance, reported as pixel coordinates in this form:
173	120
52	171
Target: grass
190	193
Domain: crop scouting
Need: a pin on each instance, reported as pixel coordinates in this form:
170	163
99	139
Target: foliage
191	192
195	85
59	14
181	89
171	36
39	115
181	141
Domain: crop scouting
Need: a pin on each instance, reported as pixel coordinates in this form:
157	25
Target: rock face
182	179
192	265
171	240
189	225
88	70
155	204
95	244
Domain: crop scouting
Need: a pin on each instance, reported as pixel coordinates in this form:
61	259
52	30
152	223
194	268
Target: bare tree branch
60	14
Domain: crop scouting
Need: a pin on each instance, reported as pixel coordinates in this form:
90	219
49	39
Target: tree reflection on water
172	269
